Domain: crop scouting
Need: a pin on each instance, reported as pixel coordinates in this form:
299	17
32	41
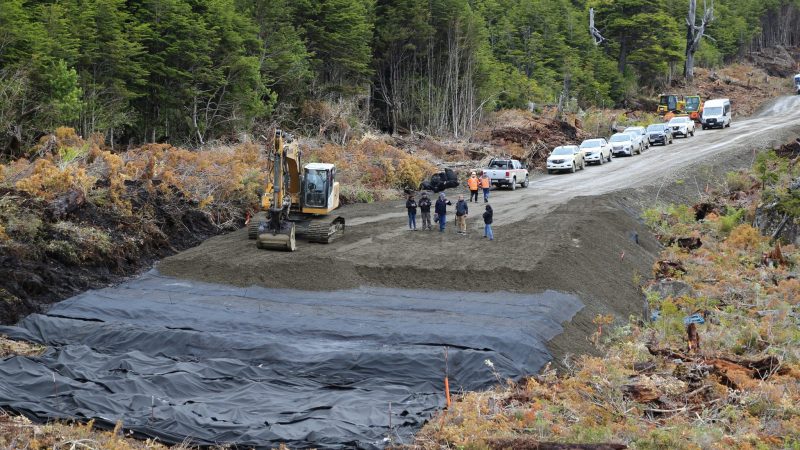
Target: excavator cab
318	187
667	103
694	107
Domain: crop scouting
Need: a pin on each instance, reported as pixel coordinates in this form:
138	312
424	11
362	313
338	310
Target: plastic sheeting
174	359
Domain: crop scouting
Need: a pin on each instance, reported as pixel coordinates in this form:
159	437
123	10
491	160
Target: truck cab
797	83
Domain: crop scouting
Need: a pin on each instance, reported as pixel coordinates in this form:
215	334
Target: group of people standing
462	209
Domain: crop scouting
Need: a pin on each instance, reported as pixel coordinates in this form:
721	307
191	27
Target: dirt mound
529	137
748	87
776	61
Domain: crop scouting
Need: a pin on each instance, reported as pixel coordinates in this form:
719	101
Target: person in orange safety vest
473	183
486	184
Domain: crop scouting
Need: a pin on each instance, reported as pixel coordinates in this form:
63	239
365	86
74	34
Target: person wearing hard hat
486	184
473	184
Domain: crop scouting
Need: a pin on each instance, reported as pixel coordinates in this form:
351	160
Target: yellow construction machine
670	103
296	204
693	107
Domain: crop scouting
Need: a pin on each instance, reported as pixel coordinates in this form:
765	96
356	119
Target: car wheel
525	183
514	184
601	158
573	169
549	171
692	133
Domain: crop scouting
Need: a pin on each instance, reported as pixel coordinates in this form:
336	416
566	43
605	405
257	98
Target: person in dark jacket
411	205
462	211
488	217
440	209
425	211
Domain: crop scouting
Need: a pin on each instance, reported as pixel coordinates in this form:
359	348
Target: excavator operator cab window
318	182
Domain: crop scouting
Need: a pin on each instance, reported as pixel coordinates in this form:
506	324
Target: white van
716	113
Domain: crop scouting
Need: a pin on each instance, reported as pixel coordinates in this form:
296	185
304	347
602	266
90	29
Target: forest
190	72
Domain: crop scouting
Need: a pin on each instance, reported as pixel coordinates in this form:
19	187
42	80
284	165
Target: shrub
738	181
745	237
728	221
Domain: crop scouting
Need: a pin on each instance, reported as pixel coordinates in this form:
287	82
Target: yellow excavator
670	103
294	204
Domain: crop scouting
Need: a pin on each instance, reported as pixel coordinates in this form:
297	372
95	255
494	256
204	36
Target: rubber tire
692	133
601	158
514	184
549	171
573	169
525	183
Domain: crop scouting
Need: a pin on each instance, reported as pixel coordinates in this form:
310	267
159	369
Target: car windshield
593	143
715	111
679	120
564	150
656	127
620	138
634	130
500	165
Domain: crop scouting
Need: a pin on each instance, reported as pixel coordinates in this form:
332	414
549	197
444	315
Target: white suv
682	125
596	150
641	131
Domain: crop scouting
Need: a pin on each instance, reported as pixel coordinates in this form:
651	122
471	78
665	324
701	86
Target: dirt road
576	233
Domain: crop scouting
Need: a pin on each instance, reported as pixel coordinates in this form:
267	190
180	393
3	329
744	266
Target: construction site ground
575	233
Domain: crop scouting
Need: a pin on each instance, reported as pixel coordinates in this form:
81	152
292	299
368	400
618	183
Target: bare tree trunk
694	34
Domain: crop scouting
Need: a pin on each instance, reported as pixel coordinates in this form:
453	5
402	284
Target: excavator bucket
281	240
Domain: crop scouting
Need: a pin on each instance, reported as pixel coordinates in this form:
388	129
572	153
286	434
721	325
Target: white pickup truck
507	172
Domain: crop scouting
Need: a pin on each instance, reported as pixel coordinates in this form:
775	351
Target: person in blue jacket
440	209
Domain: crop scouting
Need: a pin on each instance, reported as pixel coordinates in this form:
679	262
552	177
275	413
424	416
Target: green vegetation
193	71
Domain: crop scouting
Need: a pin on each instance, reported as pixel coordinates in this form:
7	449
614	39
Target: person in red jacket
473	184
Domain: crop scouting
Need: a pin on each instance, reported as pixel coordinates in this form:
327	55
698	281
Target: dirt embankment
66	256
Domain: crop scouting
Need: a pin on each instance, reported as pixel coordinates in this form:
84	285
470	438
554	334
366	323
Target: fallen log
641	393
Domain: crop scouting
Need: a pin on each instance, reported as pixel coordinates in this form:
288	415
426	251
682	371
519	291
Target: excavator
296	204
670	103
693	106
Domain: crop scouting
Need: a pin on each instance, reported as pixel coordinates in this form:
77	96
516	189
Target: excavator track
325	231
252	227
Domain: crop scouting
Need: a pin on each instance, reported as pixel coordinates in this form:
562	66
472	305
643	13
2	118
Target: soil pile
528	137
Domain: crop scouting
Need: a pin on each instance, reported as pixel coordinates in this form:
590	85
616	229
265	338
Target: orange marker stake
447	391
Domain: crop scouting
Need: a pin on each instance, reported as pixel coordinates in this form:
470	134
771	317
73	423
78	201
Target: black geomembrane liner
175	359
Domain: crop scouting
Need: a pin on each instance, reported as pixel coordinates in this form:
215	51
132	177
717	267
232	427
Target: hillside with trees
189	72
